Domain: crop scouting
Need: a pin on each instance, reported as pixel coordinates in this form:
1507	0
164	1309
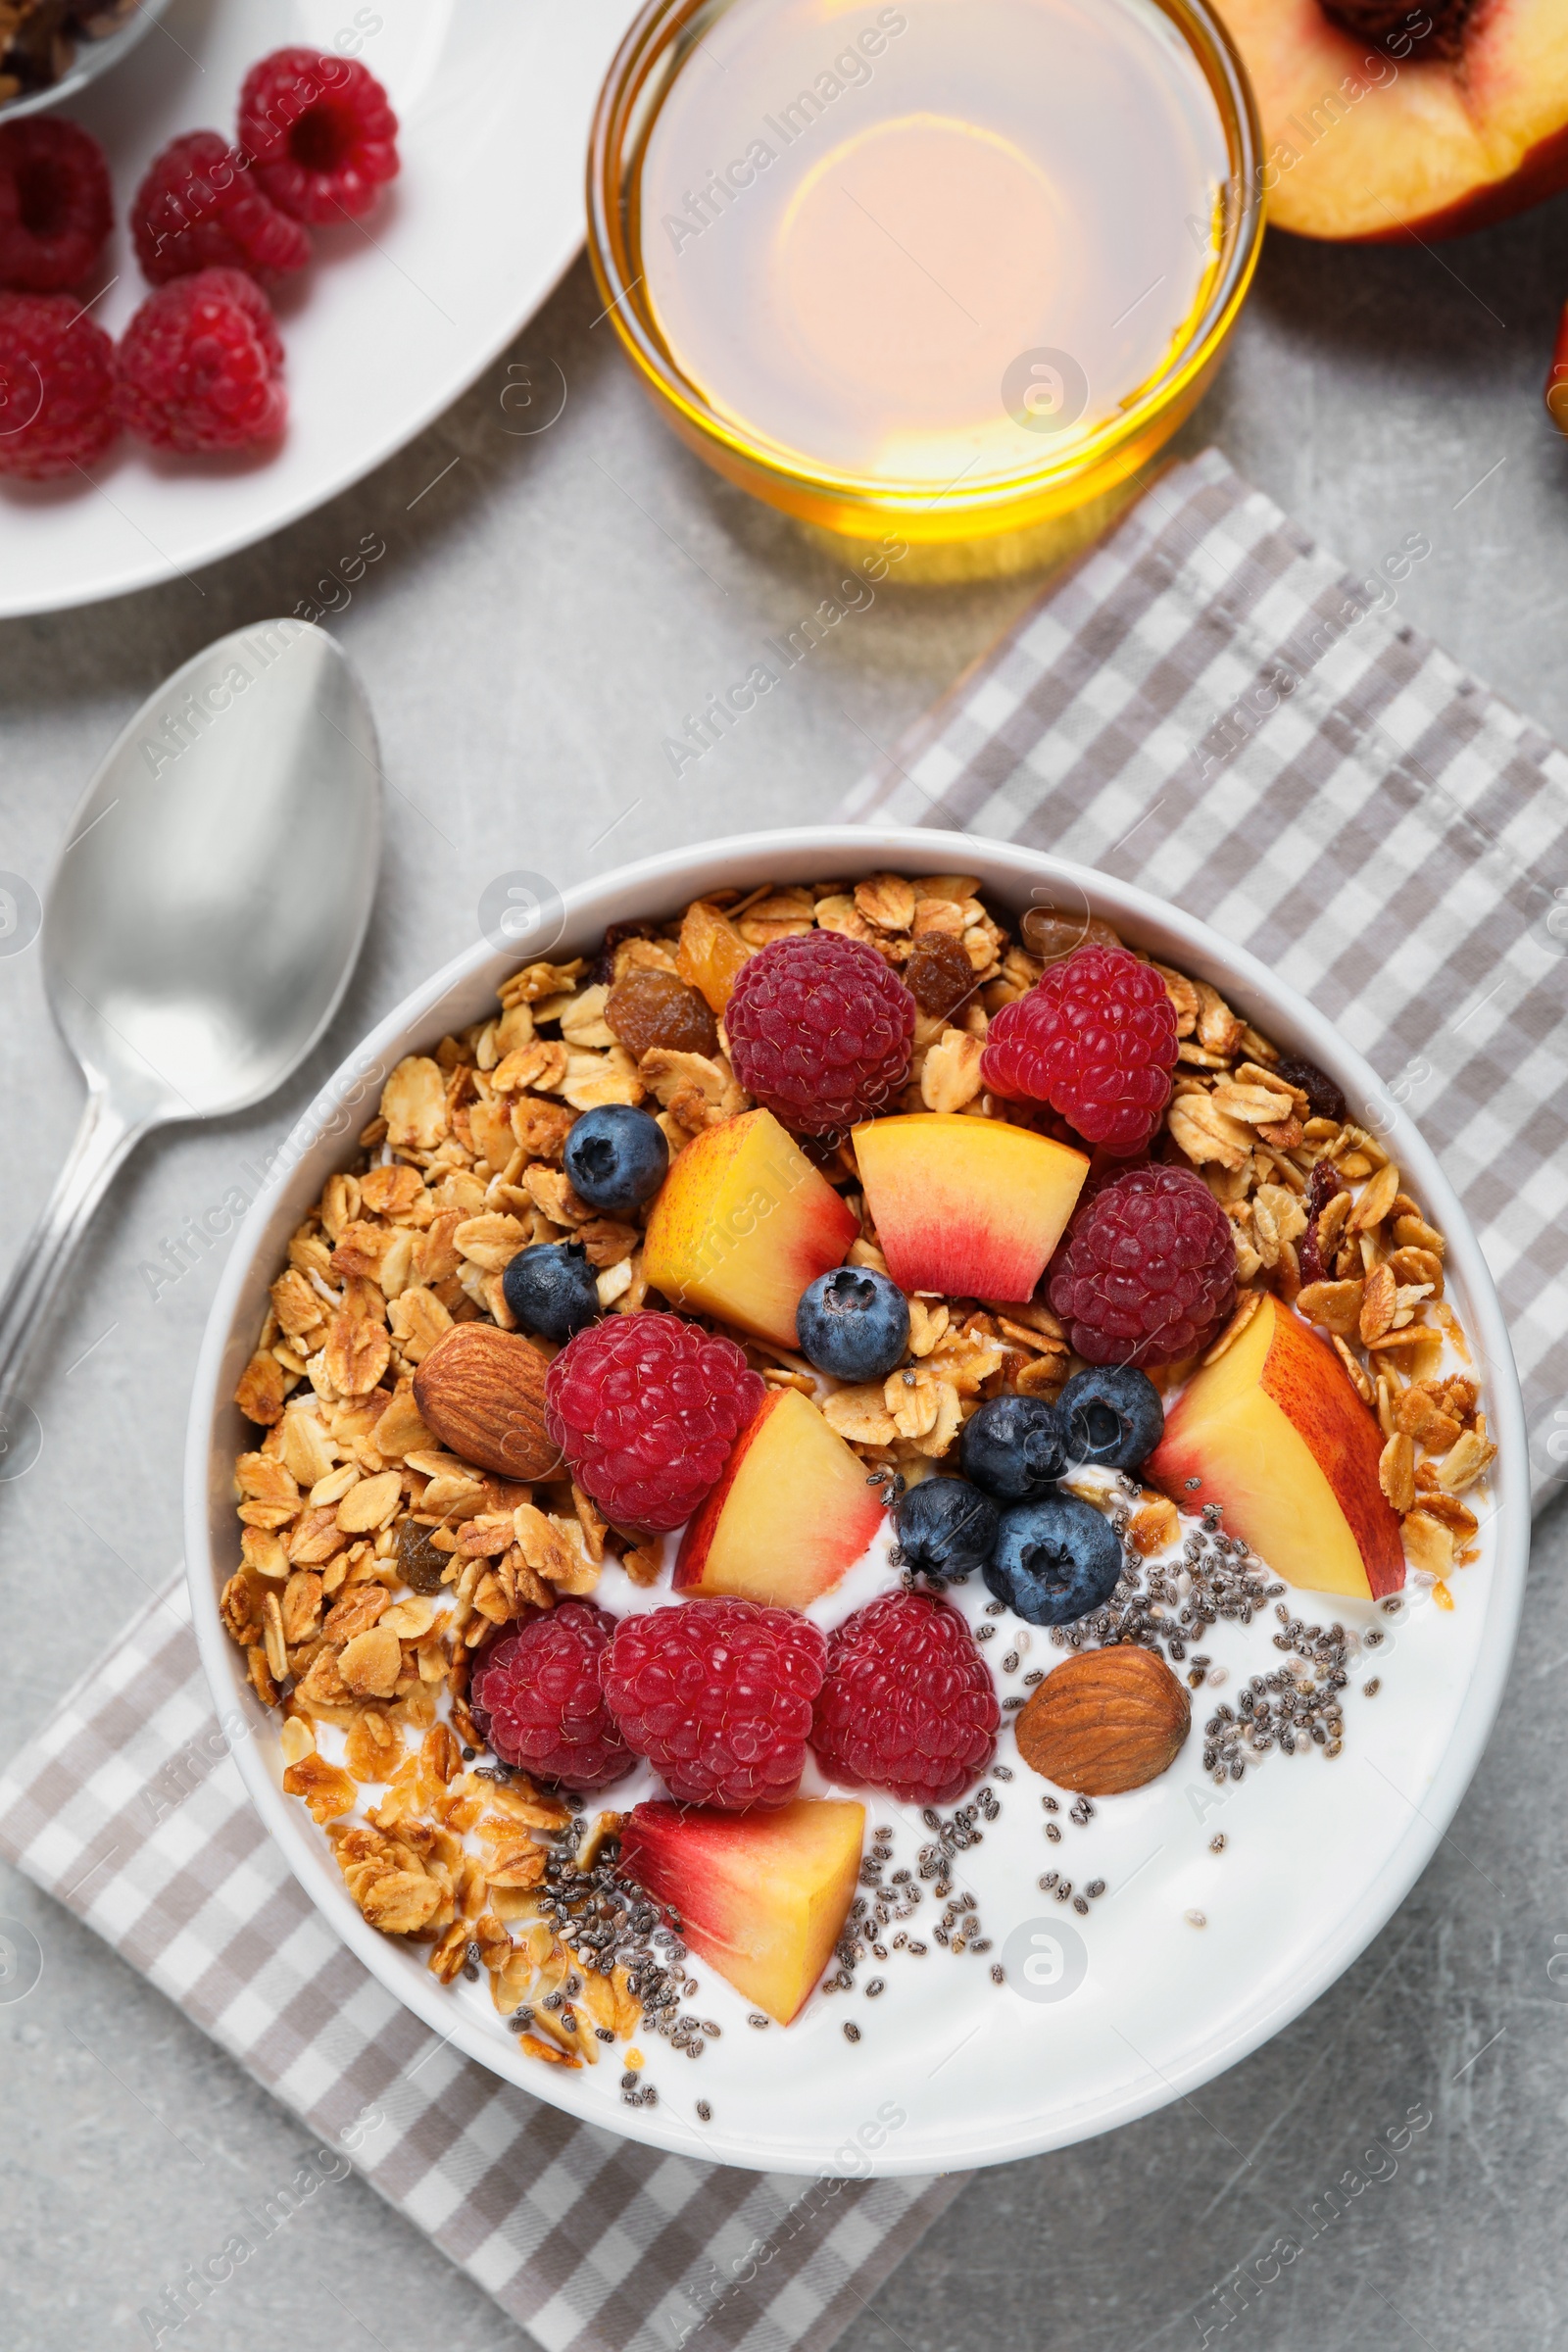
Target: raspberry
1149	1272
718	1694
1095	1038
909	1704
200	365
819	1030
537	1699
55	206
319	134
644	1408
198	209
56	386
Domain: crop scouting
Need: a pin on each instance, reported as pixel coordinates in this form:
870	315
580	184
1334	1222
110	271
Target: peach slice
1457	128
966	1206
1276	1433
761	1895
790	1514
742	1224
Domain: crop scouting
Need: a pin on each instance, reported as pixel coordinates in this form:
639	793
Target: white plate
951	2069
395	320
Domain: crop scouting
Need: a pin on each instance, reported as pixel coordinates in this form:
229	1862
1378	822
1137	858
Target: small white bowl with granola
855	1448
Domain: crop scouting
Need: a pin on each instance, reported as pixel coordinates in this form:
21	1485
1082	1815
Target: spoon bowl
205	912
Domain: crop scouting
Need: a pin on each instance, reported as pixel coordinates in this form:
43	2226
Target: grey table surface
549	606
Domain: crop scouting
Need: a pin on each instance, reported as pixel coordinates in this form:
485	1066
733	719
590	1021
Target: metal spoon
203	922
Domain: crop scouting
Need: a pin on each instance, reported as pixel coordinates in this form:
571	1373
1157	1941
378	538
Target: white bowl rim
802	853
94	56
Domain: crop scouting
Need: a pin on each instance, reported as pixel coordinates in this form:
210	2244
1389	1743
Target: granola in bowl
926	1377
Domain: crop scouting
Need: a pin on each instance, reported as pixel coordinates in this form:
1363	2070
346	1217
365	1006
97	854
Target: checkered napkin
1211	706
1207	706
128	1810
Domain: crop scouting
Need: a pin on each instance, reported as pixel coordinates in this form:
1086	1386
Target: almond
482	1392
1106	1721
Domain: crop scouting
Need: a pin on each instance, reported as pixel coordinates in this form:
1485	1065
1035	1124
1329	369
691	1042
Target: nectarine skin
1275	1432
790	1512
762	1897
970	1206
742	1224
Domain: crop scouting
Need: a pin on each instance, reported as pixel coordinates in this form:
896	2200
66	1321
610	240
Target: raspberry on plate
819	1030
718	1694
319	134
1095	1038
1148	1274
54	205
909	1704
644	1408
57	386
200	365
198	208
538	1700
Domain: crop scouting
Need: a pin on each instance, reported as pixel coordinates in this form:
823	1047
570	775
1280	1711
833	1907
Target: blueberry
944	1528
551	1289
1016	1447
616	1157
853	1322
1113	1416
1054	1560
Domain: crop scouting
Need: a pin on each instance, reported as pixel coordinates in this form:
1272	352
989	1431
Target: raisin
654	1008
1052	936
1321	1186
939	974
1324	1098
420	1563
603	971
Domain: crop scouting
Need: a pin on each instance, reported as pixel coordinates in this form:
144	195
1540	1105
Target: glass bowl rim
652	33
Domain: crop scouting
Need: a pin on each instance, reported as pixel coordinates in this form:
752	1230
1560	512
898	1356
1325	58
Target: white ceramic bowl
1317	1856
92	59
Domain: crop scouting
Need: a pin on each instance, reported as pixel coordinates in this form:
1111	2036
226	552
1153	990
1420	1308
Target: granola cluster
377	1567
38	38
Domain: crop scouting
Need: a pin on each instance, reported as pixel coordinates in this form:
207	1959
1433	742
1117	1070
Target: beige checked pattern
128	1810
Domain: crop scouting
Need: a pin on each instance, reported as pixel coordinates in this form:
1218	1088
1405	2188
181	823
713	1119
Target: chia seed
705	2113
852	2032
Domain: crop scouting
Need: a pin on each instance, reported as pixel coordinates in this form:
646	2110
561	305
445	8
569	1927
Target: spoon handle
103	1139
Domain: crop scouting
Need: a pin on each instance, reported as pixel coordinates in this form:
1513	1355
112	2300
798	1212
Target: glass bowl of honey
951	268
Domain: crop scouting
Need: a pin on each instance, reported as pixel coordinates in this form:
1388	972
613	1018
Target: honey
920	254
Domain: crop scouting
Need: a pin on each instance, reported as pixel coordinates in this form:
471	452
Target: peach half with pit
790	1512
1275	1433
1397	120
742	1224
970	1206
761	1895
